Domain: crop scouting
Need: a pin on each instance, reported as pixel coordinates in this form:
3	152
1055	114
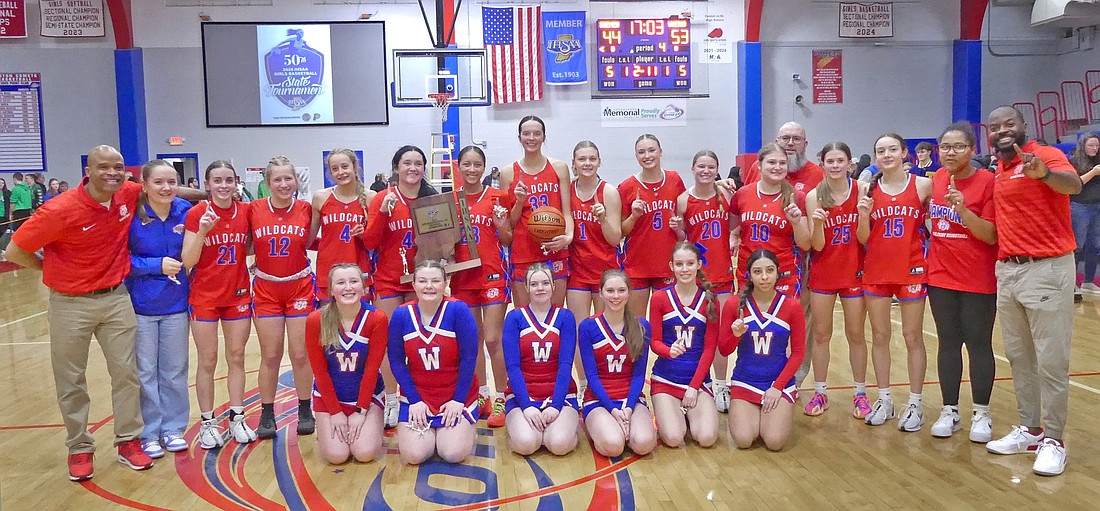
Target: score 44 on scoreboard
644	54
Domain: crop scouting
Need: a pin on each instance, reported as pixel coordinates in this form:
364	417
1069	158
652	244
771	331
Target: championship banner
72	18
866	20
13	19
566	58
828	76
295	74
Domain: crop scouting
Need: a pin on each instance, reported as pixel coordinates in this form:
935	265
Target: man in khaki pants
1035	281
83	235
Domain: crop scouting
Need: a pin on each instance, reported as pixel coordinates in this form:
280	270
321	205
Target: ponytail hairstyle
786	191
648	136
878	177
215	165
467	150
143	198
429	264
632	328
746	292
281	161
701	277
824	194
360	190
330	313
583	144
539	267
519	127
710	154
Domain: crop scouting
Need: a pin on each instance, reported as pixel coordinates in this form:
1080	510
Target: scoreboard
643	54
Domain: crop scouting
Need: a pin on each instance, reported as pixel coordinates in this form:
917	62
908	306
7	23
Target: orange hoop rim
441	98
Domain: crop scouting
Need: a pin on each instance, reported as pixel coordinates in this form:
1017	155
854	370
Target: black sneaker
267	425
306	424
1077	297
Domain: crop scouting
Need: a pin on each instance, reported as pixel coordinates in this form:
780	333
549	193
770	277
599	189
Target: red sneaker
497	419
81	466
131	455
484	408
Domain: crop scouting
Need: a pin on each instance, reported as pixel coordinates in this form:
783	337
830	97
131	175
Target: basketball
546	223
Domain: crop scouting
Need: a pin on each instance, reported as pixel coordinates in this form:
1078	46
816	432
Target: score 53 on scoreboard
644	54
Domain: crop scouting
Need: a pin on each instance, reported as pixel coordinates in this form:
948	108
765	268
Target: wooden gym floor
832	461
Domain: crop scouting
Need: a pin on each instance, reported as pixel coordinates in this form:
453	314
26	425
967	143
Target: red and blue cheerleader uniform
538	353
672	322
346	377
614	380
762	359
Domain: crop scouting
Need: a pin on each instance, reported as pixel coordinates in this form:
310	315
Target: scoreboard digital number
644	54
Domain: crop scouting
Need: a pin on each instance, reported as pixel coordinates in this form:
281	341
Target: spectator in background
924	160
53	190
5	216
379	183
262	190
492	180
1085	210
868	173
193	183
38	191
21	199
63	186
393	180
243	195
864	162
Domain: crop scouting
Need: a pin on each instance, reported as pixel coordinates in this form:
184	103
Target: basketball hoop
442	101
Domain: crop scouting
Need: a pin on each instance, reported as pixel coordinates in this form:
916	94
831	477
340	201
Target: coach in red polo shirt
802	173
83	238
1035	279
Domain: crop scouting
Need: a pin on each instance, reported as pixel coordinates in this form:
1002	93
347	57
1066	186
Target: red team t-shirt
491	272
648	248
592	255
707	222
220	278
392	235
336	244
840	261
956	258
895	250
764	225
808	176
1032	219
279	236
543	189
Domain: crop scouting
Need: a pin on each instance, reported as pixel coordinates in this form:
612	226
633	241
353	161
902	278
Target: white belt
271	278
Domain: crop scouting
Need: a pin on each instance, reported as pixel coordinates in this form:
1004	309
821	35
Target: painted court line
22	319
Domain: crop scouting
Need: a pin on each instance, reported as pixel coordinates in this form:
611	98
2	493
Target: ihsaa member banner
563	34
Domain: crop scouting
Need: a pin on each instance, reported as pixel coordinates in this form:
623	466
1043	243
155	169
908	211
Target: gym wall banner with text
295	74
828	76
632	113
13	19
563	44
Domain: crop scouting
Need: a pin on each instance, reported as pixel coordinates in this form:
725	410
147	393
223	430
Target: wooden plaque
436	224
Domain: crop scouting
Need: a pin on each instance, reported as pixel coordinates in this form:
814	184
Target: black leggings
964	318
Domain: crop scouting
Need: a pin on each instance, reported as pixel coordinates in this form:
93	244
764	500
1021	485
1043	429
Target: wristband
361	410
1047	176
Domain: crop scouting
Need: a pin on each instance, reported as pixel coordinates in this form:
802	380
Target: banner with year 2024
563	43
295	74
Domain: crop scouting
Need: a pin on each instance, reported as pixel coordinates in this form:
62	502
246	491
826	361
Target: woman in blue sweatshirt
158	290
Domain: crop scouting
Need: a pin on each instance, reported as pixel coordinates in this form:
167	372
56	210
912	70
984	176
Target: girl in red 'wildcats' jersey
889	220
215	246
769	215
839	256
282	292
340	217
484	288
346	341
649	203
390	233
537	180
703	217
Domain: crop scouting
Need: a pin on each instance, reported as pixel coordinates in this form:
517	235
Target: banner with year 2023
295	63
72	18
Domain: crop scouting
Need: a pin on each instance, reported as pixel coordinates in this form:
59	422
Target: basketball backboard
418	74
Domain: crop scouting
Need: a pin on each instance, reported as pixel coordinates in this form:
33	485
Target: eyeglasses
957	148
796	139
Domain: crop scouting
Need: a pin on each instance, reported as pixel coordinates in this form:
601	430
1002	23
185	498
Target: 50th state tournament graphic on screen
295	81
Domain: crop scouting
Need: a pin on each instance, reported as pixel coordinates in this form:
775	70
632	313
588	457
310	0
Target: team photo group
631	314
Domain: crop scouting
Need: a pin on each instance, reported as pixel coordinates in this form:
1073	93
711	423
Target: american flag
512	39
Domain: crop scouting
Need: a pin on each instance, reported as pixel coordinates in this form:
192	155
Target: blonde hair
330	313
143	198
786	191
824	193
360	190
701	276
535	268
632	328
429	264
279	161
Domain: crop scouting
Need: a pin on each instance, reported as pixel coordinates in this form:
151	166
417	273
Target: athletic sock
303	404
981	408
884	394
267	409
859	388
483	391
954	408
498	395
207	416
391	399
820	387
915	399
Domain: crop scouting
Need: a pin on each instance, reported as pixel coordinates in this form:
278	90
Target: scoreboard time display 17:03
644	54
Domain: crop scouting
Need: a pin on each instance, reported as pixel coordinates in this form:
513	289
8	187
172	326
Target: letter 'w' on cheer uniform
219	281
336	244
543	189
841	259
688	324
435	362
486	284
764	225
762	359
648	248
391	234
538	353
284	280
591	254
346	377
894	265
614	381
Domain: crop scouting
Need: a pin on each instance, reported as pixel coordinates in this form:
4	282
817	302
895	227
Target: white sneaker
948	423
210	435
1090	288
981	427
391	413
722	397
240	431
1018	441
912	419
1051	458
881	412
153	449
